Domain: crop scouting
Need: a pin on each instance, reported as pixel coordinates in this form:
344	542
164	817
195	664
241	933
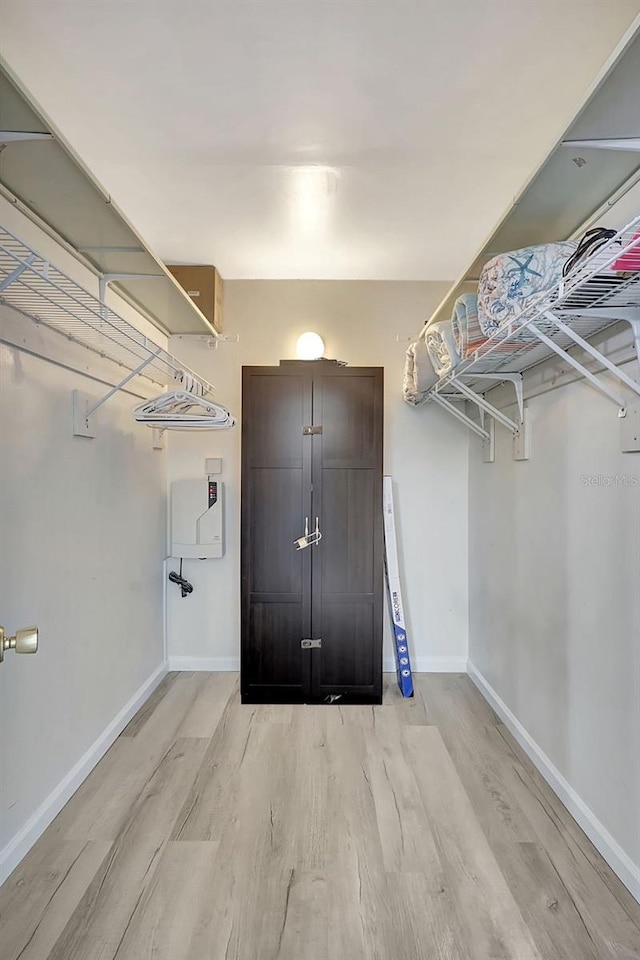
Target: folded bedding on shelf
511	281
419	375
467	332
442	347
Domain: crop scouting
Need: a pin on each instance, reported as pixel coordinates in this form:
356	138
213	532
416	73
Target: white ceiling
351	139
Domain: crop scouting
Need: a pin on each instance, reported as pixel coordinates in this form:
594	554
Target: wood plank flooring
417	830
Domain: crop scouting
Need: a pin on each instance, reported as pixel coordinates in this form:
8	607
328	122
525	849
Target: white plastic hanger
184	409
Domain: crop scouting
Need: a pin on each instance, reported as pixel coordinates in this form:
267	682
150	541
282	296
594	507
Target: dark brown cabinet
312	436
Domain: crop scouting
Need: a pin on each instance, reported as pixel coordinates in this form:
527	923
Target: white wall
555	600
82	525
424	451
554	605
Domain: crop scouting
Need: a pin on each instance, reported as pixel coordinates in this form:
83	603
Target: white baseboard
224	664
619	861
21	843
420	664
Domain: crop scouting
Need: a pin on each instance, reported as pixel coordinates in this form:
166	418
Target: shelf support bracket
587	374
129	376
483	404
107	278
619	374
82	412
19	270
515	378
461	416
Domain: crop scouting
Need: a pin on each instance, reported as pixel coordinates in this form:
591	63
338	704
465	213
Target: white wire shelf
581	306
31	284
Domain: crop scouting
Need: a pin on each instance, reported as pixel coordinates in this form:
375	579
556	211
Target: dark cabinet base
278	695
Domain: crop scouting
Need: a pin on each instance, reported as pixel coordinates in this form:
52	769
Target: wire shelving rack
30	283
592	298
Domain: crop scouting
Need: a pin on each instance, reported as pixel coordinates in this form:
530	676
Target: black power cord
185	587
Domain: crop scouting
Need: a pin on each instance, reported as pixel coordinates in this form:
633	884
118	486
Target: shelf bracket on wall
83	409
600	357
596	381
483	404
488	446
445	403
630	429
485	430
19	270
518	385
108	278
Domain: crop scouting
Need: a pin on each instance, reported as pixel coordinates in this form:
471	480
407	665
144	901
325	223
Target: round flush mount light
310	346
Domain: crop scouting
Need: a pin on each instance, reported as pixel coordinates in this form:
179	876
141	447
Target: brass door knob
24	641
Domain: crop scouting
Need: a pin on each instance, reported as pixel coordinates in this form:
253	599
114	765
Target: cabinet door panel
345	663
349	409
277	520
272	664
277	409
276	497
347	572
347	507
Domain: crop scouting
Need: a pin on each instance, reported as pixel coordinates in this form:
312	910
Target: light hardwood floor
417	830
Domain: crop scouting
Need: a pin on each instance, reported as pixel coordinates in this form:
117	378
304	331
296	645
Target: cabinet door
347	567
276	498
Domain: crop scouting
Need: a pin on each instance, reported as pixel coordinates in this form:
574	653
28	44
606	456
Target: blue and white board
403	660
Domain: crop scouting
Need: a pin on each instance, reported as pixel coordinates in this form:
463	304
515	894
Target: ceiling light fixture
311	191
310	346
